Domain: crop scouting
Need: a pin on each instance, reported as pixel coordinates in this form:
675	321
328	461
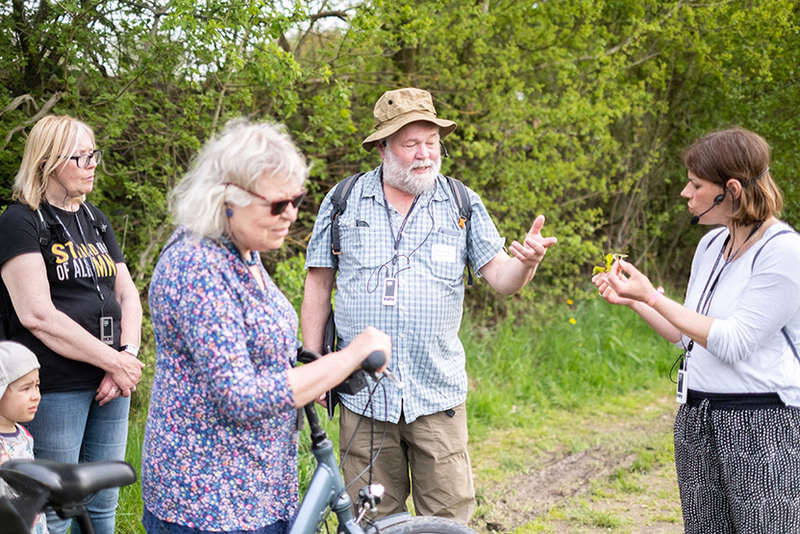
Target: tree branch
42	112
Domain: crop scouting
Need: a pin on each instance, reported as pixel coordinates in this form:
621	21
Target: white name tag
445	253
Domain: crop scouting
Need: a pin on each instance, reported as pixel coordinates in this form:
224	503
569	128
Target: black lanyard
704	303
84	244
402	226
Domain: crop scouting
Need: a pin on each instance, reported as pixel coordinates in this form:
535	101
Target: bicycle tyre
423	525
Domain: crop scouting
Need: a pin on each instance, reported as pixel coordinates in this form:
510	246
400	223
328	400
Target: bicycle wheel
422	525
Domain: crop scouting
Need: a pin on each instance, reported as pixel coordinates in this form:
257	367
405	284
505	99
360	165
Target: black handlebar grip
374	361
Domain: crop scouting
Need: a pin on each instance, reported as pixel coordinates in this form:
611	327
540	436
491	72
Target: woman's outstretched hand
623	284
607	292
628	282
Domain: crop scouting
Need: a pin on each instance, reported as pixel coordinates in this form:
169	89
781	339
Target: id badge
390	292
107	330
682	388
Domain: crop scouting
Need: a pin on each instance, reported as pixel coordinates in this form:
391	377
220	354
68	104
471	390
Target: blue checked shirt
423	324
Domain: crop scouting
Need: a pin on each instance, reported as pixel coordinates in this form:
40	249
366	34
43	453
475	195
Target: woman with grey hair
220	446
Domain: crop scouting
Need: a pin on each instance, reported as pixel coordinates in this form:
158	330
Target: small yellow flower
569	301
572	320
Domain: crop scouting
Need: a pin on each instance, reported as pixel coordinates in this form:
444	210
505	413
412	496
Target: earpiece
444	150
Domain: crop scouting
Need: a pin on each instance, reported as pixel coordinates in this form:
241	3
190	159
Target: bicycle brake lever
393	378
375	361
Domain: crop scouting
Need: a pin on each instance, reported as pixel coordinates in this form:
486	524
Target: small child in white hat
19	399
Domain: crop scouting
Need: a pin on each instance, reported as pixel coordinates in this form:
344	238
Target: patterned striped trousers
738	466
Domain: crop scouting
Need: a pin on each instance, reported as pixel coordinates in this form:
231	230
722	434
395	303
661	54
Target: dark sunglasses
277	206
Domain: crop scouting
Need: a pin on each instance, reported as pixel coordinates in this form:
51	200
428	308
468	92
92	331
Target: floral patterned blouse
220	447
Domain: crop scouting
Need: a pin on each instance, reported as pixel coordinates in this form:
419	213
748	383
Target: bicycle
327	490
66	487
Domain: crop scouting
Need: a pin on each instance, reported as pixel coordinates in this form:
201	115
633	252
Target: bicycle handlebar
371	364
375	361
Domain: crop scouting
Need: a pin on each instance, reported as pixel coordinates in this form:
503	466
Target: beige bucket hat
399	107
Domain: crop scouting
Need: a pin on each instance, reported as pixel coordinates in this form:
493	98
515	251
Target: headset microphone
719	199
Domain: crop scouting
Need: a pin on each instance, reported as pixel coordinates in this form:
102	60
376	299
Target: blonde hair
244	153
51	138
741	155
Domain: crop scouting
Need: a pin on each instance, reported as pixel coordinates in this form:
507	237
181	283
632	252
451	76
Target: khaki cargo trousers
429	454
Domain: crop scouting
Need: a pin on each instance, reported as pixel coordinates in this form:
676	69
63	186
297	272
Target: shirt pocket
446	256
357	252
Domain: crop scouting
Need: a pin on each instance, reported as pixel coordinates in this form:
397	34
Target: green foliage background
577	110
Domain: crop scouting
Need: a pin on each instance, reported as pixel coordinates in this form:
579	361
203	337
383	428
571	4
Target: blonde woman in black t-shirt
69	297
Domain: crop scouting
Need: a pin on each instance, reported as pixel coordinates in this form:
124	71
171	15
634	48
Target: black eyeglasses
277	206
84	159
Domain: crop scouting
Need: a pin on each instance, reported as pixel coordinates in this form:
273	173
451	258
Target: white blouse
754	343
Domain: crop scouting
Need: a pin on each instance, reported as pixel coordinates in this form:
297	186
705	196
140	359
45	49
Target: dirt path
609	471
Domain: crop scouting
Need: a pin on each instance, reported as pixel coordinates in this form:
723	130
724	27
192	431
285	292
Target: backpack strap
721	231
752	267
464	213
43	228
98	225
755	257
339	202
462	202
791	345
342	192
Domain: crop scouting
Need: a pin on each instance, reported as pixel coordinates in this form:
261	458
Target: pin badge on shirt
390	291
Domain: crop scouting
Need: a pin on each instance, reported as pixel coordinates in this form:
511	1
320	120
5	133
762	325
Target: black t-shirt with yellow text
79	258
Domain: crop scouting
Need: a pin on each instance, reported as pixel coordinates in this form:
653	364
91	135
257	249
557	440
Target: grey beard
402	178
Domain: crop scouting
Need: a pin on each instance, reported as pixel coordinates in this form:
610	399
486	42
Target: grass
518	371
529	380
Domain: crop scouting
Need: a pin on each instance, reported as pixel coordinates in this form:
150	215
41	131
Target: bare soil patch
620	480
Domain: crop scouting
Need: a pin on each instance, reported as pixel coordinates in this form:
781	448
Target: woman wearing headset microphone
737	432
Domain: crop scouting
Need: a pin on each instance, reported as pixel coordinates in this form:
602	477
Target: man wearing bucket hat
403	249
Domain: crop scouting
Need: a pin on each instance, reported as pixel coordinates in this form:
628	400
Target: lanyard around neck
84	244
389	217
704	304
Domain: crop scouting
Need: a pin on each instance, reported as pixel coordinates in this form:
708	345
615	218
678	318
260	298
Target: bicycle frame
327	489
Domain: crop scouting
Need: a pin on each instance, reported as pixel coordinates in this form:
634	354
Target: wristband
130	348
655	297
